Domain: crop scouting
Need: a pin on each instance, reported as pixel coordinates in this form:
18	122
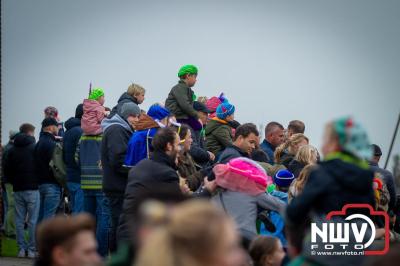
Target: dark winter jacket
187	170
71	139
88	154
218	135
295	167
286	159
198	150
330	186
117	133
389	180
147	175
125	98
20	164
43	154
269	150
4	155
180	101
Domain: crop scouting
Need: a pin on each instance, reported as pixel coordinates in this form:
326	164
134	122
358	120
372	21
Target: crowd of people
183	183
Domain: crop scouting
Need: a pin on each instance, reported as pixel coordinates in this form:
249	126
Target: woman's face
276	258
230	252
188	141
297	146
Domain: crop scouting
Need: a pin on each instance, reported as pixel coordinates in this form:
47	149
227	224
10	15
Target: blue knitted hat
283	178
225	109
158	112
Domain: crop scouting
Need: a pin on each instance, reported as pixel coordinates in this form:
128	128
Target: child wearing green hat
181	97
93	113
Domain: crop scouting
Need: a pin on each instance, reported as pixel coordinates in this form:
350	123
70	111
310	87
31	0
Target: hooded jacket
71	139
124	98
93	114
20	164
295	167
330	186
180	101
139	145
43	154
159	170
218	136
113	151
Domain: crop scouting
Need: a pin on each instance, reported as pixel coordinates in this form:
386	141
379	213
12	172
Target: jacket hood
213	125
115	120
23	140
90	105
72	122
349	175
145	122
125	97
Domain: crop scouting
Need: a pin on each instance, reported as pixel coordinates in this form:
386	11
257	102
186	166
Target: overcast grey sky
275	60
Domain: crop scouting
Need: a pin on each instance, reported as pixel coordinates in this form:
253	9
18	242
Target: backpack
58	167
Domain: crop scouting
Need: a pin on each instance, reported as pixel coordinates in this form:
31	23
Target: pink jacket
93	114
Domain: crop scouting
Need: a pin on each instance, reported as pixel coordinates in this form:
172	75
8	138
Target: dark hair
79	111
245	130
183	130
262	247
60	231
271	127
296	126
162	138
26	128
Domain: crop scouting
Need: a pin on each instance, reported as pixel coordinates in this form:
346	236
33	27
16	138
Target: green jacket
180	101
218	136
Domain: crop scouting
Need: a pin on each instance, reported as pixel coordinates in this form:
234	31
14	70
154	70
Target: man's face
139	98
174	149
31	133
191	80
54	130
276	137
83	251
132	120
102	100
247	144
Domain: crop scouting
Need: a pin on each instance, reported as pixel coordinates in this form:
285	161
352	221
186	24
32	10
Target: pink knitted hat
242	175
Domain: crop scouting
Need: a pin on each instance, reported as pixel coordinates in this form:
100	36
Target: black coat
4	156
20	164
71	140
332	185
145	177
113	151
295	167
389	181
43	154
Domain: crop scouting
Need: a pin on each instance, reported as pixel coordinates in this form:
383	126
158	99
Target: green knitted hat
96	94
187	69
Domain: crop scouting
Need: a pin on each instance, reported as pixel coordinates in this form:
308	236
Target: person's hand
184	186
106	113
212	156
211	186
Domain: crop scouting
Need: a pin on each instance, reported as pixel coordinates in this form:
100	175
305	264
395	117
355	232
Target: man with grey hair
117	131
274	136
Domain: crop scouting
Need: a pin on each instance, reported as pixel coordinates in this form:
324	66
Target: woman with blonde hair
296	188
285	152
197	233
306	155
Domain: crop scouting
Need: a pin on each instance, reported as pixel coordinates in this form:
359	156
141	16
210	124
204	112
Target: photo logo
352	235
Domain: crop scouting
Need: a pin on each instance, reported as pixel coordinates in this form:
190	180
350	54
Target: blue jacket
269	150
139	146
277	220
71	140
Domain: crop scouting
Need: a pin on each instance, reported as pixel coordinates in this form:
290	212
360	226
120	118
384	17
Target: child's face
140	98
191	80
101	100
230	118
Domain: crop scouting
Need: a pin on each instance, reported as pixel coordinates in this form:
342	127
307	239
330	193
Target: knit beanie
283	178
225	109
96	94
158	112
187	69
129	109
